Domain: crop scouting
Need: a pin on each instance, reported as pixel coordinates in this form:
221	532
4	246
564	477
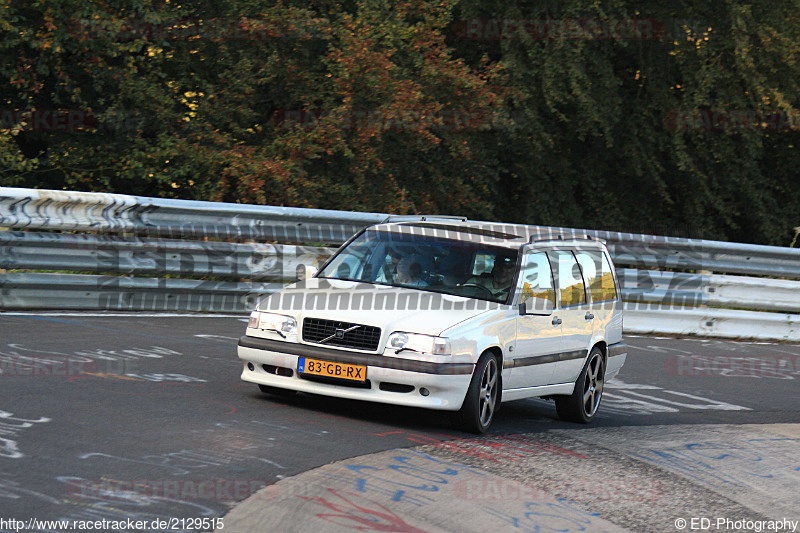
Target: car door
602	290
575	314
538	337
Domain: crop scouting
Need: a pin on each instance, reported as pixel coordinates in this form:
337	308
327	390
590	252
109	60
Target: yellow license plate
332	370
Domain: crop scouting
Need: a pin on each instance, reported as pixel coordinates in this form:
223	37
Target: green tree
595	144
417	106
202	102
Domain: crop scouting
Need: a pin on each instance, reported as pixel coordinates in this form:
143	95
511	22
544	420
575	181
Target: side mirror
536	306
305	272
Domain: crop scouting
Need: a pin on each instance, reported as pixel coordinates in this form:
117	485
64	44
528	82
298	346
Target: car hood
390	308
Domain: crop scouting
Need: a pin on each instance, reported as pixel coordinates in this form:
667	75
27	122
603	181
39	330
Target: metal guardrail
680	288
90	292
31	209
121	236
144	256
706	255
118	213
671	288
673	253
711	322
754	293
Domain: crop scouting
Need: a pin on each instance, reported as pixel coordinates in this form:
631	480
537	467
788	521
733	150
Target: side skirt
534	392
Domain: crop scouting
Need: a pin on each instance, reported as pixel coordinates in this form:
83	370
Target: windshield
426	262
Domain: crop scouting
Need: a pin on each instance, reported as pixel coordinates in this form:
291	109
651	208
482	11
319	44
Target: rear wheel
483	396
277	391
581	406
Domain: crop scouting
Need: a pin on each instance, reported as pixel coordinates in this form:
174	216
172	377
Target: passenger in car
409	272
387	272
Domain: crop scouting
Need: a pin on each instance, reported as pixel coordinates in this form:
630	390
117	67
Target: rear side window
598	275
570	282
537	278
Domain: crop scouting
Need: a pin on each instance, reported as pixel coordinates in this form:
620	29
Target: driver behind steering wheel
498	282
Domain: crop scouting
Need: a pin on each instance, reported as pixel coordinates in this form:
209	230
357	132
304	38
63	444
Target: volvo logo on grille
339	333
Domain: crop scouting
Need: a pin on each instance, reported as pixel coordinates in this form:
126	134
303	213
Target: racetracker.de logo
222	490
722	120
619	490
190	29
559	29
47	119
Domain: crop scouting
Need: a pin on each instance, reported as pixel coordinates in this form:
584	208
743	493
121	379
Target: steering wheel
488	292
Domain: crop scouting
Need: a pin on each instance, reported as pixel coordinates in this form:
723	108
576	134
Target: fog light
250	367
424	391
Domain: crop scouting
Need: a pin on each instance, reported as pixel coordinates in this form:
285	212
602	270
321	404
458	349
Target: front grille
360	338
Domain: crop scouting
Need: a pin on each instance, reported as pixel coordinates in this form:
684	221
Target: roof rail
421	218
559	237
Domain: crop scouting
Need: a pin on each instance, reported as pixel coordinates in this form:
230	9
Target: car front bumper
392	380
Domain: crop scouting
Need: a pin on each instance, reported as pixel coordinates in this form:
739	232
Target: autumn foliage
618	115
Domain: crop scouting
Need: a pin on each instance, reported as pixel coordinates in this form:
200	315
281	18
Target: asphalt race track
106	417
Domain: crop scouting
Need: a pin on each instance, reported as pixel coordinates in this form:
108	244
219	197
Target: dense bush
617	114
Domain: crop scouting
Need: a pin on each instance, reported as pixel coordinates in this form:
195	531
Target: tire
483	396
582	405
277	391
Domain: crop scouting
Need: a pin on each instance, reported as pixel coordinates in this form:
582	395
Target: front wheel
483	396
581	406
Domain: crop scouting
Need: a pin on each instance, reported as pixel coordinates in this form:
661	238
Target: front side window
426	261
598	275
570	282
537	278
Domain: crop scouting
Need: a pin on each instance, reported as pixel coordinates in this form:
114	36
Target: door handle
589	315
556	321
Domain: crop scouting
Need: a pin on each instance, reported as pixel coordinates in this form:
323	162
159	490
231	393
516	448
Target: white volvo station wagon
446	314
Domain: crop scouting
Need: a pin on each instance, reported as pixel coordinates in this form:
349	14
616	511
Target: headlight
400	340
282	324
